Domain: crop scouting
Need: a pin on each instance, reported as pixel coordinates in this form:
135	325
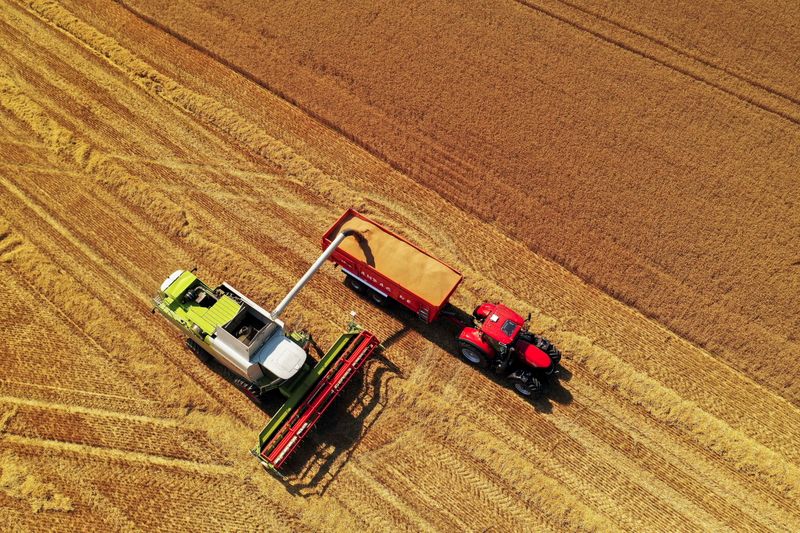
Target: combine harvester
252	344
384	266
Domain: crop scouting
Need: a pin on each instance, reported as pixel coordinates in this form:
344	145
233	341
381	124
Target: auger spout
310	272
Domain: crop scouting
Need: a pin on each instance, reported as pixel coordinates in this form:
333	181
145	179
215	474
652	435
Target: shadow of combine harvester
337	437
328	448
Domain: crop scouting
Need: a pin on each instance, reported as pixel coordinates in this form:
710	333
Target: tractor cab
501	339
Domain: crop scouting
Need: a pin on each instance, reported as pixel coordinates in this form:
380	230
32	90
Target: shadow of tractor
444	334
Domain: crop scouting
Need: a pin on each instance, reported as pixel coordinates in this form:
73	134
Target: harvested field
145	137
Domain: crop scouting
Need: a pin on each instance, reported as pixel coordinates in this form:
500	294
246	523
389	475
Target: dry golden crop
139	138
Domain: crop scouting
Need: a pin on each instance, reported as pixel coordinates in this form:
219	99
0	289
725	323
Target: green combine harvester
253	344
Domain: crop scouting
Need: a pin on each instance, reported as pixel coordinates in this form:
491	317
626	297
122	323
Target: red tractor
386	267
500	340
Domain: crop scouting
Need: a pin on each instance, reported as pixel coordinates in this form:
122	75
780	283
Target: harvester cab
241	335
253	344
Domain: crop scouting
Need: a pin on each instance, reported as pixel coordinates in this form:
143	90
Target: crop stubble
101	214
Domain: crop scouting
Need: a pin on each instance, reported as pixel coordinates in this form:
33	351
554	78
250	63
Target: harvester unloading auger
251	342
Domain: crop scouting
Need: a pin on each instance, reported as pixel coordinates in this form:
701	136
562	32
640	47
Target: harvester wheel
530	388
473	355
198	350
355	284
250	390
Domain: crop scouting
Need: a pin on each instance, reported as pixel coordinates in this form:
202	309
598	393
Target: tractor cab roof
502	324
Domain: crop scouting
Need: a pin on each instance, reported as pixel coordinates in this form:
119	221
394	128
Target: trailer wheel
473	355
379	299
530	388
355	284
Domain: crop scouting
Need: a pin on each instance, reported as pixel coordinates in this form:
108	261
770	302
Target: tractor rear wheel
473	355
531	387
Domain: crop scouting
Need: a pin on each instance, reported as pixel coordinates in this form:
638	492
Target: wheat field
130	149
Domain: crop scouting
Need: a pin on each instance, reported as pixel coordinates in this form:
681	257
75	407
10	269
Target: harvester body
252	343
234	330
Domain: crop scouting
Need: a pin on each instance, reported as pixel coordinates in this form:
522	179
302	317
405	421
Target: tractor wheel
250	390
529	388
355	285
473	355
555	356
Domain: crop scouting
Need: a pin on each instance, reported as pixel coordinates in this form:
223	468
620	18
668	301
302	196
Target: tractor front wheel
531	387
473	355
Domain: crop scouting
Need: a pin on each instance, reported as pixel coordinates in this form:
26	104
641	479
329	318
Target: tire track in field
117	455
112	101
71	148
438	466
193	373
92	411
218	396
115	432
380	491
261	83
744	475
11	259
686	53
667	57
80	398
81	152
659	471
750	457
111	514
695	472
407	511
